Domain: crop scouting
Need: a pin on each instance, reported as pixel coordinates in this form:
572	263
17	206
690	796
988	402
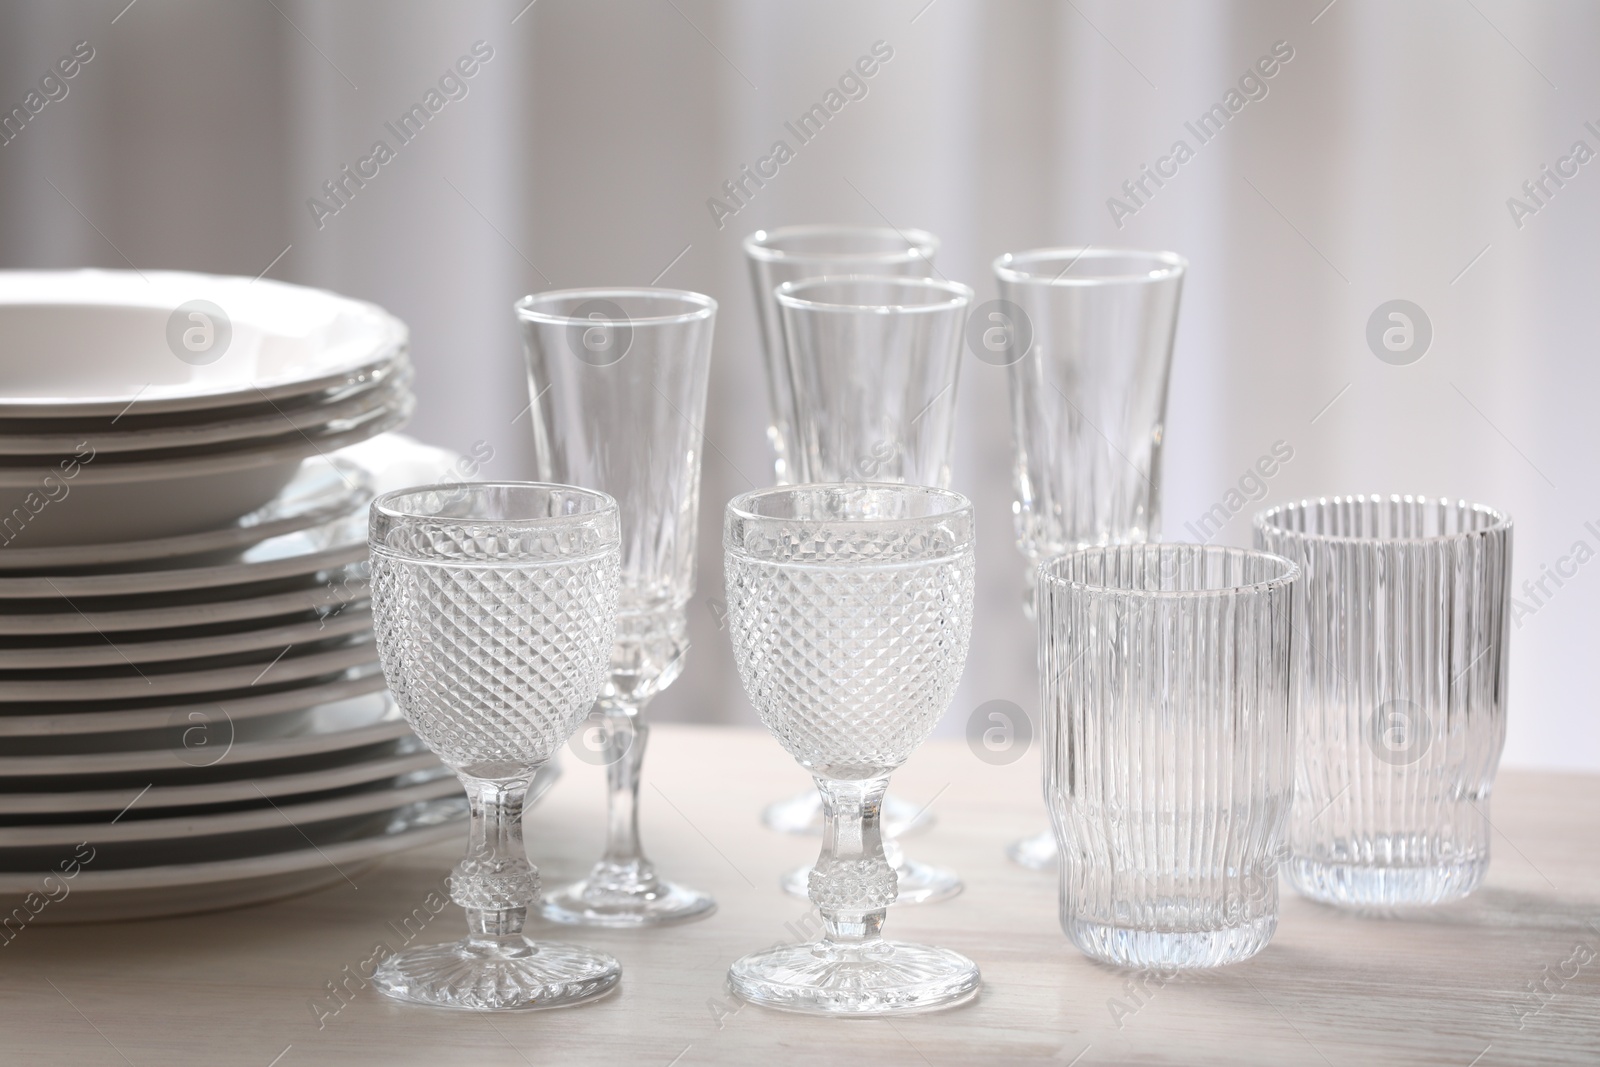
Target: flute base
619	895
872	978
510	973
1037	853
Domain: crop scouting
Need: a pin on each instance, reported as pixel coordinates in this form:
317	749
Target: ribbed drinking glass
618	382
1086	335
1402	693
850	611
494	606
1168	747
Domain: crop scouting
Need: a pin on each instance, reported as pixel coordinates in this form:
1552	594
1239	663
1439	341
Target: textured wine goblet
786	254
1168	747
875	362
618	383
850	610
1402	693
494	607
1086	337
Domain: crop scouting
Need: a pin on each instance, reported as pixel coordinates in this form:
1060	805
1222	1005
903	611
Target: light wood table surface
1451	988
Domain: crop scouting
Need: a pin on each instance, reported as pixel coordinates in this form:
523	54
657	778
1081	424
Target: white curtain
1377	166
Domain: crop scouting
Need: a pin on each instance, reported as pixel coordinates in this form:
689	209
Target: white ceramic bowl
97	342
103	500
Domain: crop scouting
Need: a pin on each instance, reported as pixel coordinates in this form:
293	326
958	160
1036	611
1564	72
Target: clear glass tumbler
618	382
874	364
494	606
1402	693
850	611
1086	335
1168	742
794	252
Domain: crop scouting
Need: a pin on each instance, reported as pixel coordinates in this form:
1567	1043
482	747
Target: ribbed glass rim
599	508
957	505
1015	267
957	295
1500	521
759	245
696	306
1288	571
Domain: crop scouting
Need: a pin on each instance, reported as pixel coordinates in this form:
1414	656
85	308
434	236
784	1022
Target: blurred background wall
1379	164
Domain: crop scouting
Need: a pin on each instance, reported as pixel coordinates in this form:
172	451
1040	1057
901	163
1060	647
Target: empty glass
1168	747
494	606
794	252
850	611
1087	336
789	254
618	385
874	363
1402	689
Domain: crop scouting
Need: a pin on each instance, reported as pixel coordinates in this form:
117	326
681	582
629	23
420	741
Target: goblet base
1037	853
802	814
615	896
866	979
512	973
1357	885
919	883
1144	949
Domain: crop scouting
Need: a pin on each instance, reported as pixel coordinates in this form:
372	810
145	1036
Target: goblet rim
922	244
604	506
957	295
700	306
1165	266
1287	572
742	511
1266	521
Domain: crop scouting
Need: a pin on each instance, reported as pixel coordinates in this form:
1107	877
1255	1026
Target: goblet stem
495	883
852	884
626	735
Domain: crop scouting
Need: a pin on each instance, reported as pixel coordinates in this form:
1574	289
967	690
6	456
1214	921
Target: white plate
422	765
349	411
338	586
178	889
287	817
72	730
96	342
333	727
110	500
98	652
319	548
295	663
321	491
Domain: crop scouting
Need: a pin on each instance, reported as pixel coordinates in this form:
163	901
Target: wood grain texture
1449	988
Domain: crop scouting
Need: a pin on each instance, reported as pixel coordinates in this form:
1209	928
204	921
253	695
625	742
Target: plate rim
389	725
245	867
186	827
389	336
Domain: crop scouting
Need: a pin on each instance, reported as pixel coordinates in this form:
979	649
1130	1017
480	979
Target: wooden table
251	986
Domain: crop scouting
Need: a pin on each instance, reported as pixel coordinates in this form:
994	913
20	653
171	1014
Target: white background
1377	167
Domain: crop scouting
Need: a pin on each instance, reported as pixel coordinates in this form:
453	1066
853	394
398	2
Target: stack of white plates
191	710
139	405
